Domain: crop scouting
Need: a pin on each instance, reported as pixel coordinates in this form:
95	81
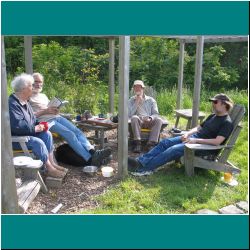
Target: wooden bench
187	114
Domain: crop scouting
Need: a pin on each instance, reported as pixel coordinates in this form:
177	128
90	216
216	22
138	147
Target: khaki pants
155	125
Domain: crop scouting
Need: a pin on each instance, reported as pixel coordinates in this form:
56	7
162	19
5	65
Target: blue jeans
41	145
167	150
74	136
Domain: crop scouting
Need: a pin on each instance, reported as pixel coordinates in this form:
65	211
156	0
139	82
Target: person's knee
178	149
46	135
158	120
39	149
135	118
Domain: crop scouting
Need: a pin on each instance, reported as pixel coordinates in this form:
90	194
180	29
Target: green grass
170	191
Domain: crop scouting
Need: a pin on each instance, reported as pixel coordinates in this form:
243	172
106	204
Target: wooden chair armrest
36	164
206	146
20	138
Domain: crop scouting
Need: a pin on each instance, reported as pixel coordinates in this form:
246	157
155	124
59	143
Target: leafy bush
73	74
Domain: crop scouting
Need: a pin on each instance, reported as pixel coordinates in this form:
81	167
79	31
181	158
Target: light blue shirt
149	106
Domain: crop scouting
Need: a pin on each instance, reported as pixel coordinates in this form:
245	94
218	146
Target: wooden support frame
28	54
9	193
197	82
124	49
111	74
180	77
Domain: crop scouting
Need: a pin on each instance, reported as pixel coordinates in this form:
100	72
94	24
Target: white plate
22	160
232	183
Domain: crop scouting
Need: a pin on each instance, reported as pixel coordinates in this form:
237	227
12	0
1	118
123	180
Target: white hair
38	75
21	82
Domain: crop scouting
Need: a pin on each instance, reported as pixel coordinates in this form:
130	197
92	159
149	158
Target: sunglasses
215	101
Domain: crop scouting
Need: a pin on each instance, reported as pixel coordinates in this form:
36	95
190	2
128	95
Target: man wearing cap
143	112
214	131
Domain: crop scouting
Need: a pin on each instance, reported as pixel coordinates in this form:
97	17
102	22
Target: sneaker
133	164
99	156
143	173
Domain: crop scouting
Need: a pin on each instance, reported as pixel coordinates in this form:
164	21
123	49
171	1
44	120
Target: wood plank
215	165
188	161
204	146
28	193
226	152
96	122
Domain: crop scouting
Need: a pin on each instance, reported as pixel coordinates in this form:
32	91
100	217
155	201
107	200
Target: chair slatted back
236	114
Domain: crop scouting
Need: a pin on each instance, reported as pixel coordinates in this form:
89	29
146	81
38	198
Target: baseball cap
139	82
222	97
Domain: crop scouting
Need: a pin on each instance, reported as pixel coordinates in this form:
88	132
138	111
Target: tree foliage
76	68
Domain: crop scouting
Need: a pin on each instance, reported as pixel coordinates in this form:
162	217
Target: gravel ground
77	190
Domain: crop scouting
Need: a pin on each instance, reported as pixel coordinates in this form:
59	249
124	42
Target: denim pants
41	145
73	136
167	150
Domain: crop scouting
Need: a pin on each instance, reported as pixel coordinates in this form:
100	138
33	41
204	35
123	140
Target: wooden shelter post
111	74
9	193
124	49
197	82
28	54
180	77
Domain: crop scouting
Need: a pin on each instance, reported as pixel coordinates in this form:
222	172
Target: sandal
61	168
56	173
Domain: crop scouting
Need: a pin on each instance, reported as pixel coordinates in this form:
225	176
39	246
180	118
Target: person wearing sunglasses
214	131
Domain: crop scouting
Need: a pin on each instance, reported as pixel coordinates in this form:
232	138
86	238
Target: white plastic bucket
107	171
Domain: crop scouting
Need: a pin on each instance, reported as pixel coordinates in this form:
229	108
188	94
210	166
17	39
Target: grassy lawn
169	191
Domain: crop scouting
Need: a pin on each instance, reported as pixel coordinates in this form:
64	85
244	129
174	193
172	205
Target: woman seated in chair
23	123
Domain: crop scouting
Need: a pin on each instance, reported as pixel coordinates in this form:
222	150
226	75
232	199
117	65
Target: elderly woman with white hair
24	123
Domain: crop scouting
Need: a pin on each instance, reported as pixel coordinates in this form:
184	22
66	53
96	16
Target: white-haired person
71	134
143	113
24	123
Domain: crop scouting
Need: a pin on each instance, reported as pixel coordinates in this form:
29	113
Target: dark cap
222	97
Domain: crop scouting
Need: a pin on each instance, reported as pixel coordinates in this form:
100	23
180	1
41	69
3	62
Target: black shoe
107	160
137	148
99	156
133	164
150	145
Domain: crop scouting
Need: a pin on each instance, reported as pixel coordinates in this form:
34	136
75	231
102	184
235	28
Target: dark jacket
22	118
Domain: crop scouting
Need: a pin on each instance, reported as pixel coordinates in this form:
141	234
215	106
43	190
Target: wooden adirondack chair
32	181
220	162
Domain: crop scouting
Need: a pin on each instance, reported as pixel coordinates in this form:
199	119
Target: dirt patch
78	190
